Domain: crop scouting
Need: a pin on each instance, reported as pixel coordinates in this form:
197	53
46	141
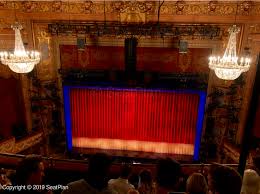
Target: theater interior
137	80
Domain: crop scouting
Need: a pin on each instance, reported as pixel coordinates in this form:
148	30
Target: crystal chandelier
20	61
229	67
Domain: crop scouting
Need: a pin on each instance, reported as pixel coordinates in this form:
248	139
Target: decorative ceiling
132	11
203	24
167	7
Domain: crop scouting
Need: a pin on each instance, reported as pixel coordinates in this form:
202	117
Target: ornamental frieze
151	30
179	7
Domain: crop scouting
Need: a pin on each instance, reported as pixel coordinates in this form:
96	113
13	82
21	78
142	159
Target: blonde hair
196	184
132	191
250	183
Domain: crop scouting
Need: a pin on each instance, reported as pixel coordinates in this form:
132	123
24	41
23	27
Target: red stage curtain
154	116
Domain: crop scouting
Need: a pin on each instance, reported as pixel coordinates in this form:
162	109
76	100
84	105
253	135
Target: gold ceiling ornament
2	4
88	5
132	6
180	7
212	6
132	11
57	6
29	6
246	7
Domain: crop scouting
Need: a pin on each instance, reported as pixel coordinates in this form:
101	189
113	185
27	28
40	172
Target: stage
135	157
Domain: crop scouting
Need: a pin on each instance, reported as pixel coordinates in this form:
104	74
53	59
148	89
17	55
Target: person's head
30	170
98	169
125	171
256	161
146	177
250	183
196	184
132	191
168	173
224	180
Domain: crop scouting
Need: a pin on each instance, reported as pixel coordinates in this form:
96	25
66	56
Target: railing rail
12	160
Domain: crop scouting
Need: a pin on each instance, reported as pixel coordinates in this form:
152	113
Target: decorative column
26	87
254	40
26	83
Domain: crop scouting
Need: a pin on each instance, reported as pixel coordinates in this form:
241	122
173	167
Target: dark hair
125	171
256	161
226	180
146	177
134	179
99	164
98	168
26	167
168	173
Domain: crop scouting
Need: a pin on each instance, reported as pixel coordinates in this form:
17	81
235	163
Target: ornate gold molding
254	29
27	143
46	69
7	145
245	8
132	11
11	146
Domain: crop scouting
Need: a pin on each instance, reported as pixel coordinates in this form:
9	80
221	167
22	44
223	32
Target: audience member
256	161
134	180
30	171
224	180
250	183
133	191
168	176
121	184
196	184
3	178
96	179
146	183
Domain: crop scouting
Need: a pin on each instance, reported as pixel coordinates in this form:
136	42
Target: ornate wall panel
254	29
46	69
150	59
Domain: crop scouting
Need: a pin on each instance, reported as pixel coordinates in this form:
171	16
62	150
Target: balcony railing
13	146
